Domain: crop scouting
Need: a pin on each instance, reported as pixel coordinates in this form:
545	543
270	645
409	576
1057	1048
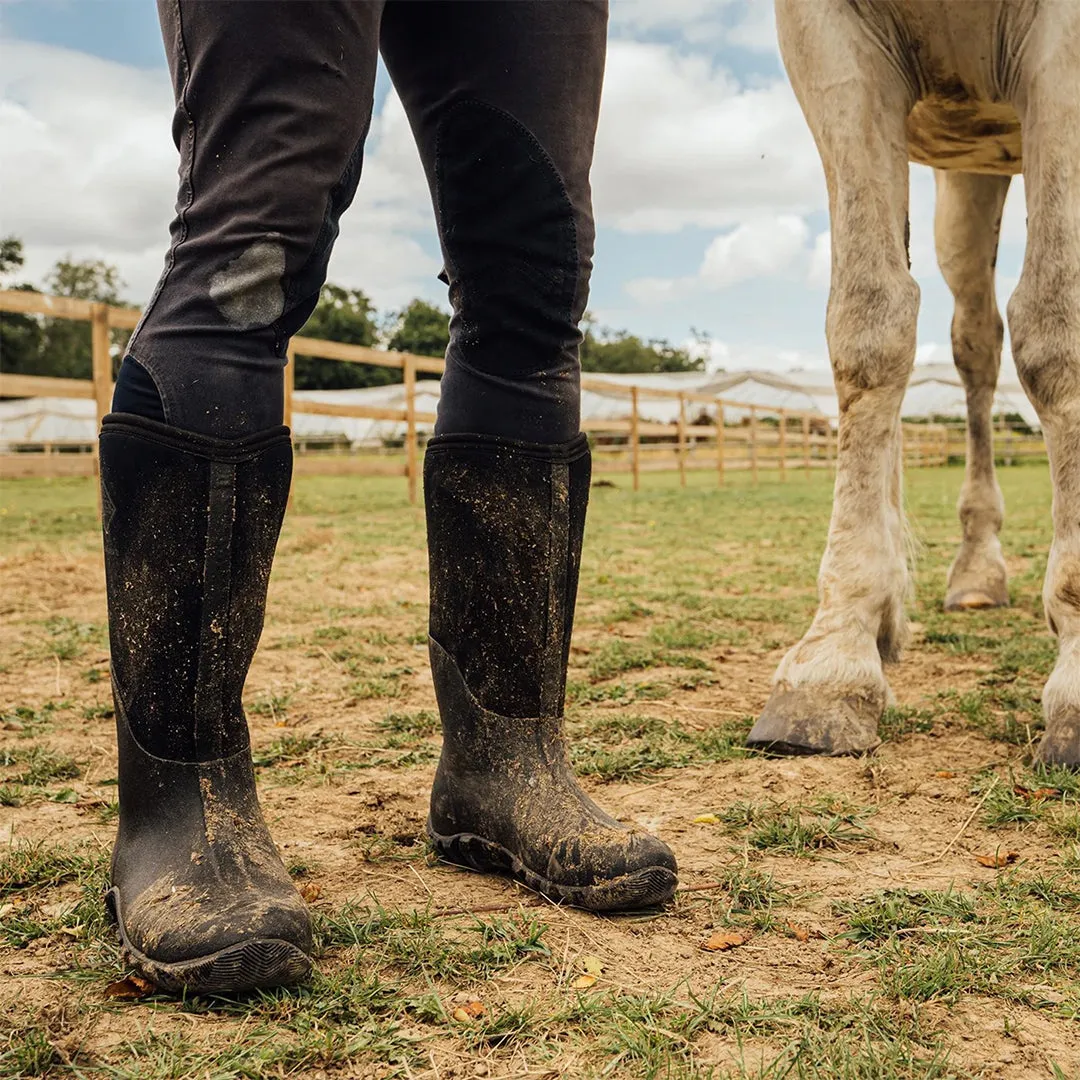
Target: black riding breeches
274	100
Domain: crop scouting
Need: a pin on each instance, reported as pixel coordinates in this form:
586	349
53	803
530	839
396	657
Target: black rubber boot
505	526
199	892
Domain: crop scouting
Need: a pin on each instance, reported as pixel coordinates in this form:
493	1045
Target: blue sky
708	193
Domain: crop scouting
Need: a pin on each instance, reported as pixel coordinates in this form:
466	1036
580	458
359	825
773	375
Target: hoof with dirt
798	721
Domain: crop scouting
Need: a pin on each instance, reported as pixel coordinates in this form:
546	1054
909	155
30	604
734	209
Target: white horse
952	84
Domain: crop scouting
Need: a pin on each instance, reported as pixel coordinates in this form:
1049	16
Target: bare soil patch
875	942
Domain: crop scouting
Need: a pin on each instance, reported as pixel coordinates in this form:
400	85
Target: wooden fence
702	435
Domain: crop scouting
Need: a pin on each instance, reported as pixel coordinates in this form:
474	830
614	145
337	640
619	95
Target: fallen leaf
945	775
998	859
461	1016
592	965
310	891
706	819
583	982
799	933
130	989
1047	793
473	1010
723	940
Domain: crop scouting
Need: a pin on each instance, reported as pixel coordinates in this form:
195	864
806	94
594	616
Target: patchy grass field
855	931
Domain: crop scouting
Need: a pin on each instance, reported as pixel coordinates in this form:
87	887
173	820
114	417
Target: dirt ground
864	935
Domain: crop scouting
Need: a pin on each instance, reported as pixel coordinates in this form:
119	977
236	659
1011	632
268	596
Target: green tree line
35	345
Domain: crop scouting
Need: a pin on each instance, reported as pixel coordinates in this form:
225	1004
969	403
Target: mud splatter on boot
199	893
505	528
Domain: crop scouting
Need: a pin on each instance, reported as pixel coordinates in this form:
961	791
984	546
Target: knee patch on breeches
510	240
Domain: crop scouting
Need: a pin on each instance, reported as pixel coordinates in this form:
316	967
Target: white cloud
87	149
723	356
749	24
820	271
757	28
758	248
680	143
755	249
378	249
1014	220
89	169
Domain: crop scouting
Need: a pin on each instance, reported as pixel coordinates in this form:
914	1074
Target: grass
666	626
1016	940
415	944
30	772
827	823
1038	795
630	745
29	872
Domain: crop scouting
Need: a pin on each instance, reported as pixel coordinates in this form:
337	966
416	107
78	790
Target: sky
708	192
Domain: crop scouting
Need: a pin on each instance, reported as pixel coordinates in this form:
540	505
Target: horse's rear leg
966	228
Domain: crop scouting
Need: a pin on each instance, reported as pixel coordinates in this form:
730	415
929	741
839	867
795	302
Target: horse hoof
813	722
973	600
1060	744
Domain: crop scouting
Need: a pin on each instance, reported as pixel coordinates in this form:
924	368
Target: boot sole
257	964
648	887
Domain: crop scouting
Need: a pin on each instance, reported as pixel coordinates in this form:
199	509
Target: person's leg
503	98
273	102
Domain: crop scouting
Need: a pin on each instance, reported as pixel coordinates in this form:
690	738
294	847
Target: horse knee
1045	336
871	328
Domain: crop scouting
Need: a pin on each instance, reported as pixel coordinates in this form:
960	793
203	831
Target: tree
20	335
11	255
344	315
620	351
65	343
420	328
85	279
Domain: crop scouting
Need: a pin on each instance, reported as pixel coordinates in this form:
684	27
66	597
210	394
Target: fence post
806	441
290	384
286	412
783	444
753	444
635	442
411	456
101	359
719	442
100	375
681	449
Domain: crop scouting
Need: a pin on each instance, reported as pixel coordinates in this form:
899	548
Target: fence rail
762	439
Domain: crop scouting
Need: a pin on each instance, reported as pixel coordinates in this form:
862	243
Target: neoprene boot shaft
199	891
505	528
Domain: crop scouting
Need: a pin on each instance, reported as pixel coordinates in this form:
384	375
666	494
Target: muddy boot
199	893
505	525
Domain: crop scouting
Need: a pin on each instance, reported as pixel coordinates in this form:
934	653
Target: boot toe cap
615	869
167	931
